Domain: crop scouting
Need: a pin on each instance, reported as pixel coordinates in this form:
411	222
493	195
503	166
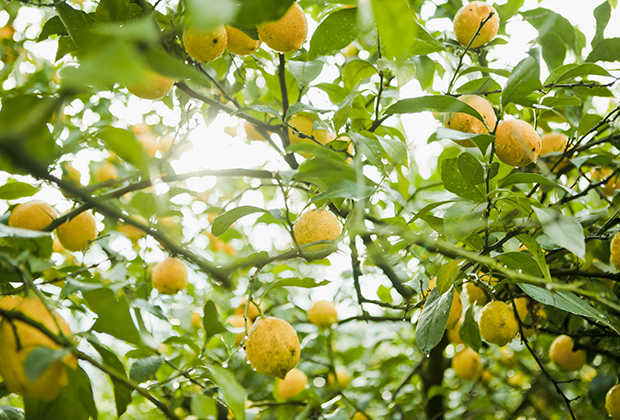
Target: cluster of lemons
284	35
516	142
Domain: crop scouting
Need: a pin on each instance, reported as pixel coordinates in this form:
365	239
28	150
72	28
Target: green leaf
211	320
39	244
53	26
403	70
395	149
326	172
602	14
547	21
77	23
482	141
11	413
525	79
571	71
234	393
125	145
306	283
433	320
253	12
569	302
122	394
370	147
453	181
446	276
335	32
207	14
461	220
41	358
305	71
469	332
472	69
355	71
598	388
470	168
523	178
553	49
345	189
114	317
434	103
225	220
521	262
564	231
15	189
203	407
534	247
606	50
385	294
144	369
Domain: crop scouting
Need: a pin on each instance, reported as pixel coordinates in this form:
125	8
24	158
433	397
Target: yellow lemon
599	174
238	321
169	276
456	310
498	324
32	215
521	305
152	86
612	402
106	172
79	232
287	34
323	314
133	233
553	142
516	143
272	347
253	311
251	132
293	384
467	365
205	46
239	43
304	124
341	380
562	354
614	251
468	20
316	225
466	123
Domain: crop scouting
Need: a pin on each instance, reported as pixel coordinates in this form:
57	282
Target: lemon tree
279	209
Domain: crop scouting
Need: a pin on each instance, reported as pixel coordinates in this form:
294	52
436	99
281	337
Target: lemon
32	215
612	402
454	335
293	384
140	129
466	123
205	46
152	86
304	124
238	321
475	294
217	244
196	320
614	251
316	225
485	378
517	143
341	380
79	232
239	43
498	324
149	143
456	310
169	276
468	20
9	303
134	234
323	314
359	416
561	353
553	142
272	347
521	305
252	133
106	172
467	365
253	311
19	339
599	174
287	34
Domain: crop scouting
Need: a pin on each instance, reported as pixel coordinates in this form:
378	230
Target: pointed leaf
225	220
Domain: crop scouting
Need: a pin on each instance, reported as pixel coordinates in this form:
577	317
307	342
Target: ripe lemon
316	225
475	294
521	305
149	143
251	132
272	347
106	172
19	339
553	142
140	129
196	320
253	311
517	143
217	244
486	377
9	302
468	20
32	215
205	46
152	86
612	402
498	324
466	123
323	314
341	380
239	43
614	251
293	384
237	321
561	353
133	233
359	416
454	335
77	233
599	174
456	310
304	124
287	34
467	365
169	276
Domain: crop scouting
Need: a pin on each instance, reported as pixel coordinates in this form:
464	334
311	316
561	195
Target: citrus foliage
173	275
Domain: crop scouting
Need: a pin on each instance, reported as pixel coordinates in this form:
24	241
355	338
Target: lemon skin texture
468	20
561	353
32	215
293	384
323	314
466	123
239	43
612	402
498	324
272	347
614	257
287	34
77	233
153	86
19	339
467	365
316	225
169	276
516	143
205	46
